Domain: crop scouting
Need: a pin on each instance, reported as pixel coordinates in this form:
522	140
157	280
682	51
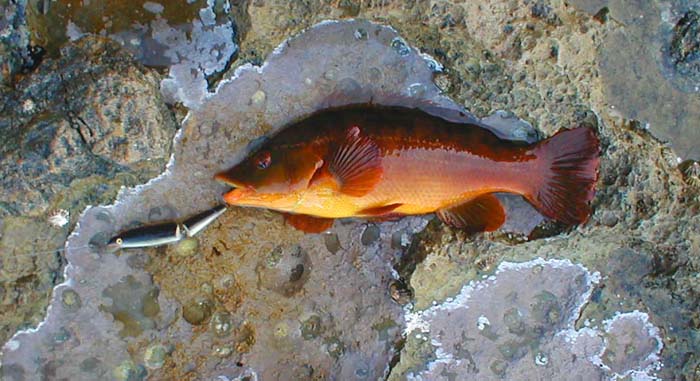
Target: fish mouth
224	178
239	191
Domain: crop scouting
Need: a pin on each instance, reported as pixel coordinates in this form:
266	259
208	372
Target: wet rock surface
193	41
269	305
229	301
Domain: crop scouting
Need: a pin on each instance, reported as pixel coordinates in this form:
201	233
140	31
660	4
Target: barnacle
59	218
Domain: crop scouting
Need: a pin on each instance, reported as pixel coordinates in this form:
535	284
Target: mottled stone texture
544	61
520	324
94	112
71	134
255	295
685	44
649	63
14	42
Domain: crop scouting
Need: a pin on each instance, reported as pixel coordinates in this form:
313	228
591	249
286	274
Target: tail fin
569	162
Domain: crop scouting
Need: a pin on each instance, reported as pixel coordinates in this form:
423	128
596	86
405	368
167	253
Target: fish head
274	177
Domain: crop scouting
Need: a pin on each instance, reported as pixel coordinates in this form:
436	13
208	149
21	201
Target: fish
385	162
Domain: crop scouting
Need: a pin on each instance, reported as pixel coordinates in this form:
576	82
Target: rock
519	324
685	44
133	304
194	41
14	42
72	134
543	11
665	66
95	113
346	319
292	307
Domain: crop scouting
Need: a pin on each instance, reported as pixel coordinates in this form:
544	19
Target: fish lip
239	191
232	196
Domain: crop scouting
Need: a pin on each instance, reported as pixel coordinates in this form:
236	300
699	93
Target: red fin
571	159
379	210
483	213
388	217
308	224
356	164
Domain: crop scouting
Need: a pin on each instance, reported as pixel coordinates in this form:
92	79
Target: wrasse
384	162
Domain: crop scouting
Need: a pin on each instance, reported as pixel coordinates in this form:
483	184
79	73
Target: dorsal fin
483	213
356	164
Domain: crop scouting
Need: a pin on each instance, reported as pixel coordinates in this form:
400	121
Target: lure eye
264	160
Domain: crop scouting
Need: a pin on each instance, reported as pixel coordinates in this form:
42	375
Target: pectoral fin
308	224
356	164
484	213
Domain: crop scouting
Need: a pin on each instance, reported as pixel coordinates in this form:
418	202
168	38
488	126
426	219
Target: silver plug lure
165	233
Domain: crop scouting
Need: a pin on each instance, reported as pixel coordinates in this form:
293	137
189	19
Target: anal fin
484	213
308	224
378	211
387	217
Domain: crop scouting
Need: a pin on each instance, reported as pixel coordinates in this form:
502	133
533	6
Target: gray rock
94	112
14	41
685	44
495	57
71	134
519	324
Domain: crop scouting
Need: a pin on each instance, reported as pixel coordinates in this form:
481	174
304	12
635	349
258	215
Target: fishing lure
164	233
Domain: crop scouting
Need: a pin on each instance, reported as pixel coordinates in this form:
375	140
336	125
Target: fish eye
119	241
263	160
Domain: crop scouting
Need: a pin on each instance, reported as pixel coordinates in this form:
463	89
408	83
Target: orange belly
421	181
